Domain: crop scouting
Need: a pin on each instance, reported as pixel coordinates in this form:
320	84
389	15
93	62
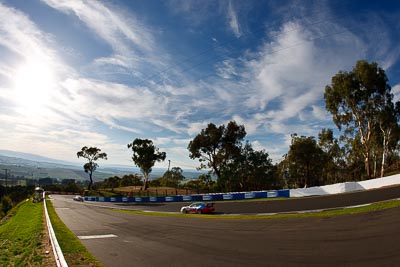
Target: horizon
102	166
71	76
41	167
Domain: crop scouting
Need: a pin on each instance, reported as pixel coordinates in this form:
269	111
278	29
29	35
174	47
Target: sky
102	73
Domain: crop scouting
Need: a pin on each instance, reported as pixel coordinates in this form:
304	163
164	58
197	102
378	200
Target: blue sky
102	73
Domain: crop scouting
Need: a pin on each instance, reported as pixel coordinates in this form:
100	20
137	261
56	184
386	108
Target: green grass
21	235
334	212
74	251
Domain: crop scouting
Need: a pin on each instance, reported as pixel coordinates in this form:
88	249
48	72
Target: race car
198	207
78	198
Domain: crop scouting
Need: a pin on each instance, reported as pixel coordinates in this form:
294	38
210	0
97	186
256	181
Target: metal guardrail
59	256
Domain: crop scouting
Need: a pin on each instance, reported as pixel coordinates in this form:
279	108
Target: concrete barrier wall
380	182
346	187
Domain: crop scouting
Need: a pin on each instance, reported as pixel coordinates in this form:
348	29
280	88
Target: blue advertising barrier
191	198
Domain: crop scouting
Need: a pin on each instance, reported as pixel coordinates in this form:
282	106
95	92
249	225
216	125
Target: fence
59	257
201	197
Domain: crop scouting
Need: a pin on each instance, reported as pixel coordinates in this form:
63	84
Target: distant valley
31	166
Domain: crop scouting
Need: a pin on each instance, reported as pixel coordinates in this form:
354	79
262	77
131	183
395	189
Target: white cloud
13	32
251	124
320	113
75	104
188	90
258	146
22	37
199	12
226	69
24	87
109	102
179	156
291	74
195	12
396	92
124	33
233	20
60	144
116	60
196	127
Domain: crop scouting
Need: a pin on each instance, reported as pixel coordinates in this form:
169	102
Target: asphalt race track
365	239
286	205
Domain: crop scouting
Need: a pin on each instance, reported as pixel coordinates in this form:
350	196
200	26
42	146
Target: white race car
78	198
198	207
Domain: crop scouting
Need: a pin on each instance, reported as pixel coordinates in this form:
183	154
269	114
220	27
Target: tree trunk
146	181
386	136
365	140
367	166
375	166
383	164
383	155
91	181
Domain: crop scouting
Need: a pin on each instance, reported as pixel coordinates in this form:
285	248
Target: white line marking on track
358	206
83	237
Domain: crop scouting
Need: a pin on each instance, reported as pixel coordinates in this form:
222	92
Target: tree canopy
145	155
173	177
248	170
215	146
237	166
359	100
306	161
92	154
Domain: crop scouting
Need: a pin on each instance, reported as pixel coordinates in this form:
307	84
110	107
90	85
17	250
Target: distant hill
28	169
33	158
35	166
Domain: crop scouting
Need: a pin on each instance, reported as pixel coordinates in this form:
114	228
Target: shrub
6	204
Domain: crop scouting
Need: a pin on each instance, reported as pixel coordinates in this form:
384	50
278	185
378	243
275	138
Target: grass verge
334	212
74	251
21	236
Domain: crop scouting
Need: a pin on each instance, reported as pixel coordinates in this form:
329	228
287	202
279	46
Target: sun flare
33	84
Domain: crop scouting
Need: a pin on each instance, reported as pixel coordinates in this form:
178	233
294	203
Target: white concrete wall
345	187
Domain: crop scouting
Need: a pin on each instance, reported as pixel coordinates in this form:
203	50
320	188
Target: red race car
198	207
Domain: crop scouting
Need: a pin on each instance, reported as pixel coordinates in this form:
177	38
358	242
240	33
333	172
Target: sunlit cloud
108	101
33	75
19	34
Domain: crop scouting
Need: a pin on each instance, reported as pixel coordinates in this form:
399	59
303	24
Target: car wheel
184	211
198	211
